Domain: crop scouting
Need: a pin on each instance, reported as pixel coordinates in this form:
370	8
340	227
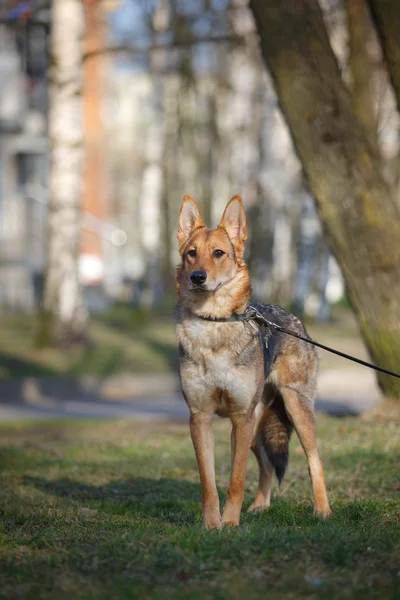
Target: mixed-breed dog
263	381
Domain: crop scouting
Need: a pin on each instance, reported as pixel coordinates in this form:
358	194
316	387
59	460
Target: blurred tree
94	180
386	14
358	209
62	313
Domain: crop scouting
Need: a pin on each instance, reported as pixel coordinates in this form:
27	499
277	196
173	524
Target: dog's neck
229	300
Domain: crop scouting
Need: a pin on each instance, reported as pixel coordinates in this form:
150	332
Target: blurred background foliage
174	99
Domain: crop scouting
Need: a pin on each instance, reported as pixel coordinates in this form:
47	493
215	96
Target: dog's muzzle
198	277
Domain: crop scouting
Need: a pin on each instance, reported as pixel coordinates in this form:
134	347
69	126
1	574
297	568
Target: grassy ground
118	345
111	510
125	341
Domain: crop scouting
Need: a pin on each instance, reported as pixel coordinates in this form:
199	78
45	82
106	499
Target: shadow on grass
169	500
18	367
99	360
174	501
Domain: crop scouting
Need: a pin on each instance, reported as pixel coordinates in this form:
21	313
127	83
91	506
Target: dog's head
212	259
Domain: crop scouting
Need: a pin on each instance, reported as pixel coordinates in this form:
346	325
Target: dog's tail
273	435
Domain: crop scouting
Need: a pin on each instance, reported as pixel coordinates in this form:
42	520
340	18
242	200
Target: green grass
112	510
136	345
130	341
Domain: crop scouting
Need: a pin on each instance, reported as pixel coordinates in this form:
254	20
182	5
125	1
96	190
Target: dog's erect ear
189	220
234	222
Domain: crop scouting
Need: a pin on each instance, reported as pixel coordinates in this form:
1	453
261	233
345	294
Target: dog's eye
218	253
192	253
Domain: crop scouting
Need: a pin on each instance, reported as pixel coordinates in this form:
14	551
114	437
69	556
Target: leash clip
249	313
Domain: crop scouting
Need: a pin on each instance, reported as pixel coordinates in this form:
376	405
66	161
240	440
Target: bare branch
126	49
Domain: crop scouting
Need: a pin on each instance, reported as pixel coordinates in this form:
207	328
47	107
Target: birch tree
62	314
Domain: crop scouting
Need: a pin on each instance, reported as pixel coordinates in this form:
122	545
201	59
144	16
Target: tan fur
222	367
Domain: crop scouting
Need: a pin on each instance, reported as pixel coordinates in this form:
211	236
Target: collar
247	315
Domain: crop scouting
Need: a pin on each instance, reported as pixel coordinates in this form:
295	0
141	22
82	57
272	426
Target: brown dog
264	383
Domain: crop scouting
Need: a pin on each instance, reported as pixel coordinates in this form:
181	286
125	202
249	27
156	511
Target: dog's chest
217	365
206	336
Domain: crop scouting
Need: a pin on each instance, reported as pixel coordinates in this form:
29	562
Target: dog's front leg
242	429
203	442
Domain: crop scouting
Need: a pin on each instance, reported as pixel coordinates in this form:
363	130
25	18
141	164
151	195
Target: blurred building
23	150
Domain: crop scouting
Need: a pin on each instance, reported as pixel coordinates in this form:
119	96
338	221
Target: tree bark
386	14
356	206
62	314
362	68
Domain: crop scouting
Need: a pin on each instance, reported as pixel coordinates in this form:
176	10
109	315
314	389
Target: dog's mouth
203	288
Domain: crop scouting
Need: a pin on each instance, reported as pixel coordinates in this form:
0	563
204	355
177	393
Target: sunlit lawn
117	345
112	510
127	342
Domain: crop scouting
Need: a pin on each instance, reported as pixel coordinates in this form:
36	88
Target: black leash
252	313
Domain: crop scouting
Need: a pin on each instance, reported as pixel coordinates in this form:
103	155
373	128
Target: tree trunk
386	14
207	139
94	183
356	206
362	68
152	180
169	187
62	314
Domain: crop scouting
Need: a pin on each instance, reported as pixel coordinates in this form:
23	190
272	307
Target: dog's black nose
198	277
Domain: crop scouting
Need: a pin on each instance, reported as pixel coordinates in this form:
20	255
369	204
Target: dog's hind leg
263	497
301	413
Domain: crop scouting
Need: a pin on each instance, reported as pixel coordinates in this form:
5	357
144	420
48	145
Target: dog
264	382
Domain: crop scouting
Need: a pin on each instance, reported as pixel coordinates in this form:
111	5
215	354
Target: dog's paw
212	519
257	508
212	524
325	515
230	523
324	512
